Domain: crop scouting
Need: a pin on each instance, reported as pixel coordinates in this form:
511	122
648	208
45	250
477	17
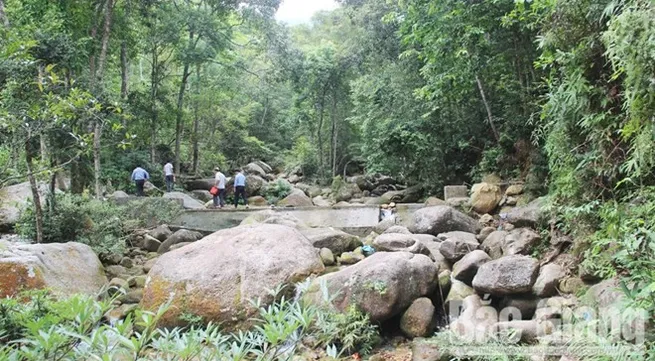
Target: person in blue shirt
139	177
240	189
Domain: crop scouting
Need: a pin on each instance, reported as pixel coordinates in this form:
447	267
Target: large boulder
392	196
12	200
514	190
520	241
433	245
408	195
529	215
458	291
412	194
188	202
181	236
506	276
199	184
297	198
257	201
466	268
440	219
254	169
217	277
549	278
525	304
455	245
494	244
118	197
335	240
161	233
64	268
362	182
485	197
398	229
379	285
264	166
202	195
346	192
417	321
606	294
254	185
322	202
384	225
398	242
151	244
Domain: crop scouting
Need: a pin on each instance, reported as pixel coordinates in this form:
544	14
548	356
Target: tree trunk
265	112
124	60
3	17
97	133
36	198
94	34
319	135
97	124
124	70
44	148
179	117
180	106
488	108
154	88
333	135
106	32
196	123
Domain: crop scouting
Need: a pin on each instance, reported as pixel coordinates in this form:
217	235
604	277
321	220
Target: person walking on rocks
139	177
219	198
240	189
169	176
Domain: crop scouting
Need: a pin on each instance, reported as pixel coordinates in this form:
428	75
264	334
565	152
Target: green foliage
350	331
624	244
99	224
119	165
73	329
303	155
337	184
74	218
17	313
276	191
504	348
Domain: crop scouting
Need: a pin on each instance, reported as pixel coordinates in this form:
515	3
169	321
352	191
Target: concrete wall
353	219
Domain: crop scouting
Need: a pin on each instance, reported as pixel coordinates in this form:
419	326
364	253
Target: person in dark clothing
240	189
140	176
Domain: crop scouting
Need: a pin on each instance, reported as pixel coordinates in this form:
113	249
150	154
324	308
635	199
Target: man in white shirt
170	177
219	199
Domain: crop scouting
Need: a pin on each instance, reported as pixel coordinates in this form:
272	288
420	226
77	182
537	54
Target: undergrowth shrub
505	348
46	329
624	245
276	191
304	155
102	225
350	331
76	218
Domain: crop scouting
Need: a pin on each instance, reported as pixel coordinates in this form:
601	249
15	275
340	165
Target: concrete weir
355	219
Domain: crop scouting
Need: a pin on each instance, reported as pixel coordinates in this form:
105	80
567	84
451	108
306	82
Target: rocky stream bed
459	265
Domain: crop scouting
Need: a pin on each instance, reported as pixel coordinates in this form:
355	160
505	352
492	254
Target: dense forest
433	93
557	94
